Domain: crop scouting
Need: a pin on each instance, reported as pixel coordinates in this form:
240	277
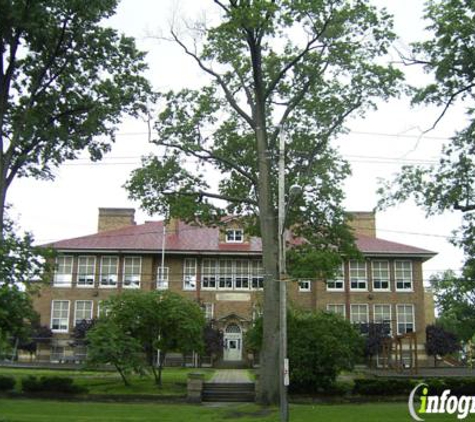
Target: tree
321	345
440	342
65	80
109	343
213	340
162	321
40	334
455	301
448	57
307	66
375	334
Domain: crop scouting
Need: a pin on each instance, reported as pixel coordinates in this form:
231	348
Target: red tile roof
187	238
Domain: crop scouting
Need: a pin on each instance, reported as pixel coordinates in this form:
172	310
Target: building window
241	280
382	315
86	271
63	275
359	314
380	275
234	236
209	310
102	309
305	285
358	279
403	275
209	273
225	273
189	274
83	311
257	275
405	319
132	270
162	278
60	316
337	308
109	268
337	283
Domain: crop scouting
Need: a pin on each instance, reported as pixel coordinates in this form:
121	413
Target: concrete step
228	392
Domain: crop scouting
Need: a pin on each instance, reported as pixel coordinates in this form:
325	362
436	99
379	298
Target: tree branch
226	198
212	156
232	101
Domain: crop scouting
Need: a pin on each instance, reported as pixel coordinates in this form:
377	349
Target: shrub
51	384
6	383
383	387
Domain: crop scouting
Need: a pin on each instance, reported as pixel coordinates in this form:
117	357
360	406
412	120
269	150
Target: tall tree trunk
269	372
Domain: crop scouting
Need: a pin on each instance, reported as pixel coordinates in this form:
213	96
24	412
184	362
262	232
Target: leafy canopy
65	81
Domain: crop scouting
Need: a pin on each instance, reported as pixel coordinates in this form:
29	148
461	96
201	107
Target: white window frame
131	279
242	279
226	274
162	277
83	302
208	309
399	276
358	278
234	236
111	277
331	307
102	310
61	318
209	273
189	274
375	313
63	279
90	273
352	313
337	283
377	274
257	274
305	286
405	322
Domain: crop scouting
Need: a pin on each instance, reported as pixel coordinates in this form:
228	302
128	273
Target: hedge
6	383
403	386
64	385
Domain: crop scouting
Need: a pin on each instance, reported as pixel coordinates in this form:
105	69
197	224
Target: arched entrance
232	343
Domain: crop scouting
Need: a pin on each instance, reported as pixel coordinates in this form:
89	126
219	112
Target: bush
383	387
403	386
51	385
6	383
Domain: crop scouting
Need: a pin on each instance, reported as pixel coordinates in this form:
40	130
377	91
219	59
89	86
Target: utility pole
284	404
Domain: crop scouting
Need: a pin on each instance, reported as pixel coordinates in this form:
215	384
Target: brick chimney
115	218
363	222
173	226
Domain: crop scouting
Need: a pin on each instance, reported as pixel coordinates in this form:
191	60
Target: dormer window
234	236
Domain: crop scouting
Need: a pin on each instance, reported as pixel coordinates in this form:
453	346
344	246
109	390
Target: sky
376	145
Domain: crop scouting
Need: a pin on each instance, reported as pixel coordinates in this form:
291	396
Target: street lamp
282	211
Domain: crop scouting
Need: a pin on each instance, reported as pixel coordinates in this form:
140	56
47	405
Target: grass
105	382
54	411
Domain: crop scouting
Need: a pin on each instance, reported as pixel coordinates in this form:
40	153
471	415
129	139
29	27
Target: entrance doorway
232	343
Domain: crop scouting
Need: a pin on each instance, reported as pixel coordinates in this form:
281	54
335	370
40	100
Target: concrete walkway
231	376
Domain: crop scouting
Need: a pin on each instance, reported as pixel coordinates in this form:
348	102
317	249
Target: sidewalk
231	376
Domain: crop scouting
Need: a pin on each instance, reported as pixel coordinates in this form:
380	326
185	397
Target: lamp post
282	211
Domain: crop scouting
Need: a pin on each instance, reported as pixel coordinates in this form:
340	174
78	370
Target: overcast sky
376	146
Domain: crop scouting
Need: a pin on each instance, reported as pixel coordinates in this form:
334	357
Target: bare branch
224	7
204	194
232	101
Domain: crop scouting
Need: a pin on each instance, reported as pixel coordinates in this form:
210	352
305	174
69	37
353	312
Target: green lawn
52	411
104	382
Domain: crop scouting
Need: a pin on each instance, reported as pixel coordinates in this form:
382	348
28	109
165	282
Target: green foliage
384	386
7	383
109	343
448	57
455	300
16	313
320	346
66	81
142	322
53	384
